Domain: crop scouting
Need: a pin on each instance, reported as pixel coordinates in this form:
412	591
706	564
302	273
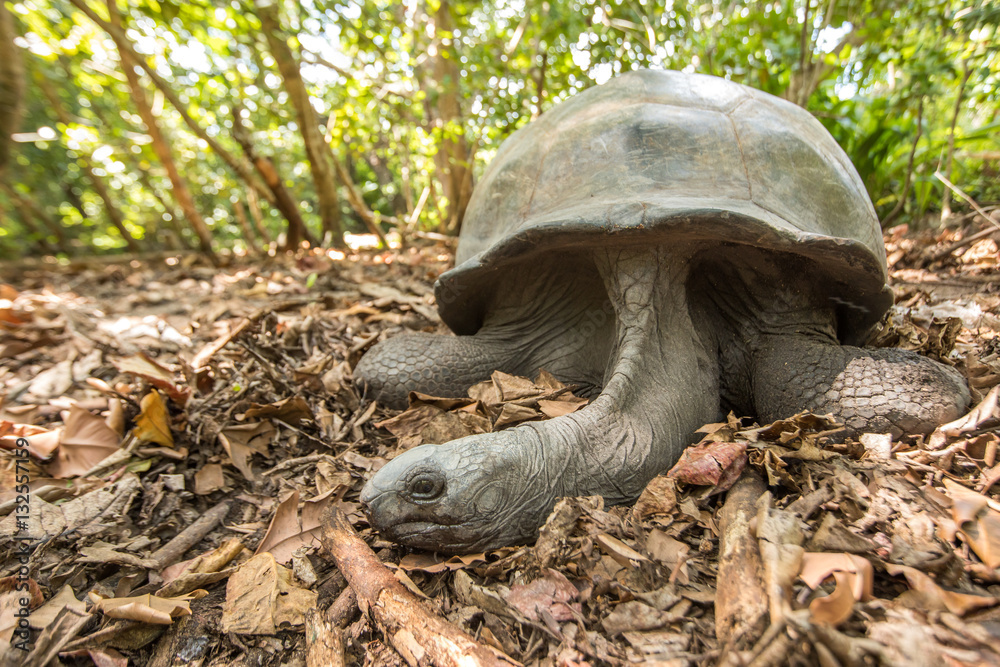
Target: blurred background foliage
147	125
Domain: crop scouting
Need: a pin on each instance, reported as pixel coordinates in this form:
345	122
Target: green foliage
882	75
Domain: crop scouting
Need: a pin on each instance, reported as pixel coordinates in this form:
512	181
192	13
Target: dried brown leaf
552	593
85	441
243	440
262	598
287	532
152	424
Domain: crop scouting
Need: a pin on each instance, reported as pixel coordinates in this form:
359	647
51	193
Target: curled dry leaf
262	598
156	374
854	576
658	499
500	402
430	563
41	441
152	424
625	555
986	409
146	608
293	410
978	523
208	479
936	597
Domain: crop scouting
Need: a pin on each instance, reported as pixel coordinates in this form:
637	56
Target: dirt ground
175	438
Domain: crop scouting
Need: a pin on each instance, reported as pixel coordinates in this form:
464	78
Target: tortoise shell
668	157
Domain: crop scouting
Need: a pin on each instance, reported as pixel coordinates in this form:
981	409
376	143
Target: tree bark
741	600
439	78
419	636
268	172
100	187
11	85
181	192
317	150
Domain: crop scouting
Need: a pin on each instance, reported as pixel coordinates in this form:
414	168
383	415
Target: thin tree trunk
283	200
439	78
241	217
358	204
174	221
11	84
317	150
100	187
241	167
898	208
181	192
949	161
258	218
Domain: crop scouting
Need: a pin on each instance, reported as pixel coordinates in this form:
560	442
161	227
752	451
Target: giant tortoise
679	246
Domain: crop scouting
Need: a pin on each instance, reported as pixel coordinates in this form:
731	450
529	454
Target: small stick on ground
172	551
741	600
419	636
343	608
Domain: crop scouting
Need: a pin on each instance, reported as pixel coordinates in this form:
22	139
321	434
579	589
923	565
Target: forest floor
188	433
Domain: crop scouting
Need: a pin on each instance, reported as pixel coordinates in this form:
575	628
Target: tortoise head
461	496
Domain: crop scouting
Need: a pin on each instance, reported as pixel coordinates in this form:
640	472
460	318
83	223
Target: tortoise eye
425	487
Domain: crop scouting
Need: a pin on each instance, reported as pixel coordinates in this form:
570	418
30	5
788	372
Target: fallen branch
419	636
324	641
972	202
740	600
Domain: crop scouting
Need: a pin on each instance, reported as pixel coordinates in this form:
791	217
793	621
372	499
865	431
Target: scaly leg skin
560	322
429	363
490	490
869	390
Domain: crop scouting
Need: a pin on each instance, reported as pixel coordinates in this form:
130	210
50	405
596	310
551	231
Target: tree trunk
898	208
241	217
241	167
439	78
181	192
282	198
11	84
173	223
100	187
258	218
949	162
317	150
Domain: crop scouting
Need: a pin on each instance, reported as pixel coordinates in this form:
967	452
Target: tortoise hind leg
869	390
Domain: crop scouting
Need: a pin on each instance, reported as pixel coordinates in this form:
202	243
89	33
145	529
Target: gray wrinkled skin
677	245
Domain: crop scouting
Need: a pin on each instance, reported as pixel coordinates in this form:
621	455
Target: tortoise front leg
869	390
438	365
